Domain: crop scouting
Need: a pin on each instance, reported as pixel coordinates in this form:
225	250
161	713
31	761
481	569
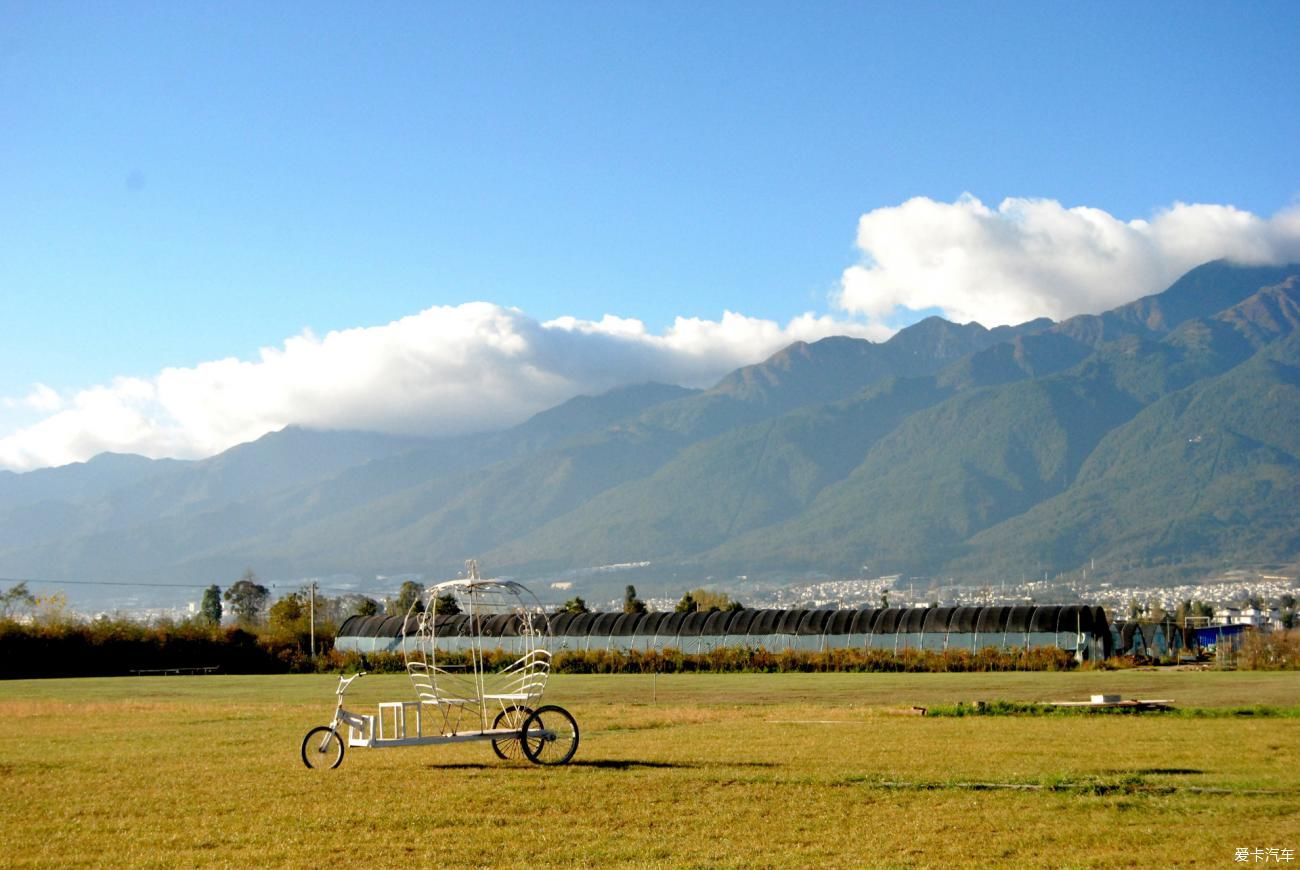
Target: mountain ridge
947	448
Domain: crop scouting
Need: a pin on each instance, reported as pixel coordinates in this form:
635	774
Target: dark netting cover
448	626
963	619
1019	618
790	619
626	624
1045	619
1126	632
937	619
650	625
887	621
580	625
693	623
719	622
993	620
603	626
766	622
502	625
742	621
1074	618
364	626
672	624
863	620
999	623
348	627
913	620
560	623
815	622
1149	630
841	622
1100	624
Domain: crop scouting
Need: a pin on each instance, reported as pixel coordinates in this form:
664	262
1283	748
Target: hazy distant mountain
1160	436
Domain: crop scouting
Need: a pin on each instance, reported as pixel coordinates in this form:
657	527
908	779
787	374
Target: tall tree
210	607
289	615
632	604
408	594
247	598
14	598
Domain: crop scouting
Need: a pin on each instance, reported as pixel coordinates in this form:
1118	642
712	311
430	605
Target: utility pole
312	609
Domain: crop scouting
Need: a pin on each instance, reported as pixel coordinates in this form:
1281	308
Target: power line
102	583
146	585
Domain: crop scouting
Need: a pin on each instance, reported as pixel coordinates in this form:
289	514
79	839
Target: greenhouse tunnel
1079	629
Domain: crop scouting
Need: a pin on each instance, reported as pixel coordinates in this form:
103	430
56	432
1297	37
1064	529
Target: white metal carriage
476	654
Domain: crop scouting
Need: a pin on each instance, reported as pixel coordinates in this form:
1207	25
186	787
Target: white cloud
480	366
445	370
42	399
1034	257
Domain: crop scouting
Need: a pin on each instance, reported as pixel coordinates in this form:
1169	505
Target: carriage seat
426	687
524	681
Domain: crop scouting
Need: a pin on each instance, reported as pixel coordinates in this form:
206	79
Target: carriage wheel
511	717
549	735
322	748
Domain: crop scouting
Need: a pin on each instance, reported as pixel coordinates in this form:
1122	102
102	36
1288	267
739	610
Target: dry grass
735	770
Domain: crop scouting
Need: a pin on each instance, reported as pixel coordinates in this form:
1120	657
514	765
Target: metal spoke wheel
322	748
549	735
511	717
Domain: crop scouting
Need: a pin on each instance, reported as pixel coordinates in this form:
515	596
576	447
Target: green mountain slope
1206	474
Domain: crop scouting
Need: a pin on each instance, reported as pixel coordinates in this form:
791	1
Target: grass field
752	770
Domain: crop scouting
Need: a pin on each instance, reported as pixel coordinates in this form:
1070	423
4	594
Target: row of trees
695	599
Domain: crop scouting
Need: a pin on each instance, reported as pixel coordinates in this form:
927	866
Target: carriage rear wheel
512	717
322	748
549	735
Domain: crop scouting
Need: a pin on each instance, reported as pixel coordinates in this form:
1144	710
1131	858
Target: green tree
408	595
446	605
359	605
247	598
210	607
706	599
290	616
632	604
15	598
575	605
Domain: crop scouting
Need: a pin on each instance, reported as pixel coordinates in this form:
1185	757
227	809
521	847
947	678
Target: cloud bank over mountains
479	366
1035	257
444	371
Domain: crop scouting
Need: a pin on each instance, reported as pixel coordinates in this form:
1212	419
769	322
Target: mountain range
1158	439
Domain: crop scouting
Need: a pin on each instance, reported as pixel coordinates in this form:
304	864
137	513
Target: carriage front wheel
549	735
322	748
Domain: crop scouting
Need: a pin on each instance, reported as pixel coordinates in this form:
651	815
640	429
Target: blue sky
185	183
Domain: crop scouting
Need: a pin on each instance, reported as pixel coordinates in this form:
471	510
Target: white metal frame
453	702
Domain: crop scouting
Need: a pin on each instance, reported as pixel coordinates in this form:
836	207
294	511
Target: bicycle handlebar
344	682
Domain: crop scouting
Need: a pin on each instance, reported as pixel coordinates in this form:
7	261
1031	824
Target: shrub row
740	660
113	647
